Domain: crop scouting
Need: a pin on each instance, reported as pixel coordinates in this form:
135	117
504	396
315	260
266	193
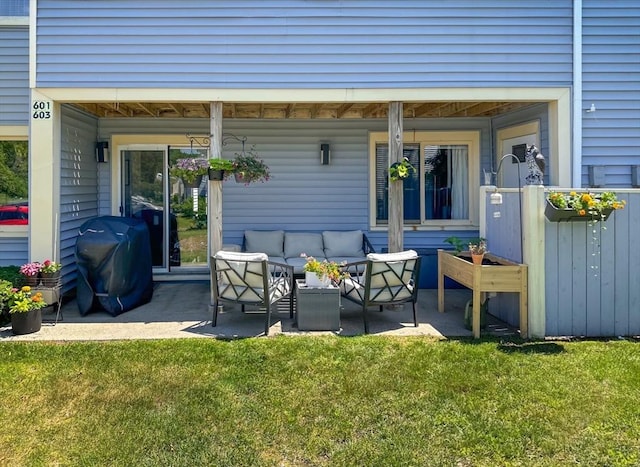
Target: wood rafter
296	110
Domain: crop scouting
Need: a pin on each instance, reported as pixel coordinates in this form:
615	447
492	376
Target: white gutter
576	177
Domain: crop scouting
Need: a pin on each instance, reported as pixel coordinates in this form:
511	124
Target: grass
291	401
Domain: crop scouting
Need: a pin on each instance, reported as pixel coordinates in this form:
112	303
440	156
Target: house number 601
42	110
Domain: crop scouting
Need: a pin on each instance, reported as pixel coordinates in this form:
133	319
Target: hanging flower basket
216	175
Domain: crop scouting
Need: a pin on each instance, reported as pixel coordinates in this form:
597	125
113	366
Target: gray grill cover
113	256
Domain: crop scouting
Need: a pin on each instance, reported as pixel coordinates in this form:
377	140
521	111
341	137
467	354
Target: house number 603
42	110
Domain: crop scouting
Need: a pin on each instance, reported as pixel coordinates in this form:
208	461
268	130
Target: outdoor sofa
287	247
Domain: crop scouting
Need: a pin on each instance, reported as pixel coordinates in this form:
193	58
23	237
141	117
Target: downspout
576	177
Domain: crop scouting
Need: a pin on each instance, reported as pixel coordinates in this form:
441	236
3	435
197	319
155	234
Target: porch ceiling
299	110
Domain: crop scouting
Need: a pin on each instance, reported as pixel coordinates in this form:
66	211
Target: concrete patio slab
181	310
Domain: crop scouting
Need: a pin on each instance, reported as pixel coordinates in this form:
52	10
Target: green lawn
291	401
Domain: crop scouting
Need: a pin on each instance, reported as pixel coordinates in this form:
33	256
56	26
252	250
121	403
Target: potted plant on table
249	168
321	273
477	248
25	309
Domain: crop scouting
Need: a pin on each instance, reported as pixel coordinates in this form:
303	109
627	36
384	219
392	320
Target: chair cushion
298	263
296	243
392	269
241	256
399	256
270	242
345	244
241	269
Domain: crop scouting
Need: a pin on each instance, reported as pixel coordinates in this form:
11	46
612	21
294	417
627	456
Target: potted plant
249	168
321	273
477	248
50	273
25	310
401	170
190	170
219	169
31	272
584	206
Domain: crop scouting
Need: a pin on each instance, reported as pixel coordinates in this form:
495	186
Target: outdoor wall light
325	154
102	151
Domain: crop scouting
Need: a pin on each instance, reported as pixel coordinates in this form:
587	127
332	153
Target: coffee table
317	309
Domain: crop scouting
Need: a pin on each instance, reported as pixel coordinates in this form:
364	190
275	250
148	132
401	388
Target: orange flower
582	212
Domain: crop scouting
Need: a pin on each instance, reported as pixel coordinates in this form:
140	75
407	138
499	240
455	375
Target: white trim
515	131
14	21
19	133
14	133
470	138
576	178
140	141
303	95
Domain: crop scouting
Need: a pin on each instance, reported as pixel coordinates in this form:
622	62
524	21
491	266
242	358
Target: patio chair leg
366	323
291	306
415	315
214	319
268	322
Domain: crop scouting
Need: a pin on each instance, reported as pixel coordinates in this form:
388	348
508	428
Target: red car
14	214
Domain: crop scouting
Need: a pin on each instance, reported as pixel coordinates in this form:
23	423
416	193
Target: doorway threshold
182	274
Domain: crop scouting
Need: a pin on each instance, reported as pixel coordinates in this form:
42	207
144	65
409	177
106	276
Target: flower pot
311	279
569	215
31	281
190	185
26	323
477	259
216	175
50	279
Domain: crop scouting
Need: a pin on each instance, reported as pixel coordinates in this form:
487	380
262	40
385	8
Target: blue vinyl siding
14	251
78	183
304	44
611	81
14	75
303	194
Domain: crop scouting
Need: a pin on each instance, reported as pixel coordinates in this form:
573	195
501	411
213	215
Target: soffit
299	110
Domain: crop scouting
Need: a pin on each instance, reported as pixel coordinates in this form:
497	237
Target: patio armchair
250	279
383	279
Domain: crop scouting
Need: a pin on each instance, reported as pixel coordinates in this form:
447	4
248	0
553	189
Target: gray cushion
347	244
270	242
296	243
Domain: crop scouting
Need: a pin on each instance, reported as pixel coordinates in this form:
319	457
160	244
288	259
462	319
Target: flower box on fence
570	215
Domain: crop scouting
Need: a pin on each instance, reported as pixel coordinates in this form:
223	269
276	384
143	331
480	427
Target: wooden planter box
505	276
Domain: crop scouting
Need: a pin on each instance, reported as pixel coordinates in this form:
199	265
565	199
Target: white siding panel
611	81
302	44
14	75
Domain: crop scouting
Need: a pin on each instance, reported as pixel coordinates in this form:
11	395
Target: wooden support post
396	210
215	187
214	200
